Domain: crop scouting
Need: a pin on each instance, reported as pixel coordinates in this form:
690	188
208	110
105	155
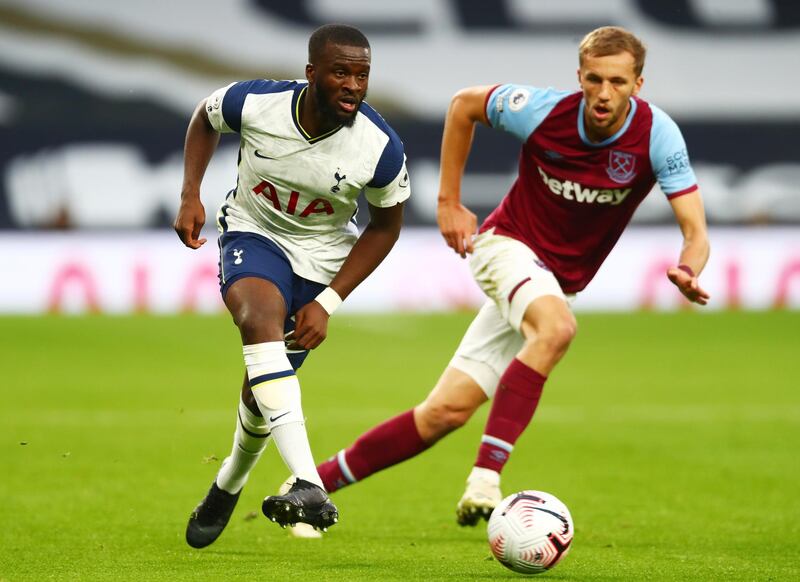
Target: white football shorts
512	277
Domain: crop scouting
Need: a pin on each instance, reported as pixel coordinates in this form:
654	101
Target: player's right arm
201	142
456	222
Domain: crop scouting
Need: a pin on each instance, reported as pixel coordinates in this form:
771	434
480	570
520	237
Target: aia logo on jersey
316	206
621	166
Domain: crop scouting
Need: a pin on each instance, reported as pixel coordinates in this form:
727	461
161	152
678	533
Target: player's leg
302	499
259	310
243	258
532	309
548	327
484	353
450	404
250	439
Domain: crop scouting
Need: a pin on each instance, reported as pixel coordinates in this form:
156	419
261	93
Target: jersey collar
296	99
582	128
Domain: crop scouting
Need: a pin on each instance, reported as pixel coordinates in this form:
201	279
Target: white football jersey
298	191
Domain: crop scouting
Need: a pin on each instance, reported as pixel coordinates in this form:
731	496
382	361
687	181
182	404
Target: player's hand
191	218
688	285
311	327
457	225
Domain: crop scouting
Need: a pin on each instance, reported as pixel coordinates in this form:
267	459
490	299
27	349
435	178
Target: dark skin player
337	83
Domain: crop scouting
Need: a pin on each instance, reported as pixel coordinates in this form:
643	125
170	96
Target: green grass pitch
673	438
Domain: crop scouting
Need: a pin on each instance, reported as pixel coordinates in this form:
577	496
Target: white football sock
291	438
249	441
277	392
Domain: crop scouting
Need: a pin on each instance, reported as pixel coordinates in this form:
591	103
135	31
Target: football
530	531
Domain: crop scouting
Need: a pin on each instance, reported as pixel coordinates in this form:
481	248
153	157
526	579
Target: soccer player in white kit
290	251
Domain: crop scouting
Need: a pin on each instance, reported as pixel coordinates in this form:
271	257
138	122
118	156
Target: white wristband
329	299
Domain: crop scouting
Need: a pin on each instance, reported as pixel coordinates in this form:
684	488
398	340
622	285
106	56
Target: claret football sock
385	445
277	393
249	441
514	403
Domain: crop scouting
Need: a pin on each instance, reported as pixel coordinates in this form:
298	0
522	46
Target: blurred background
95	97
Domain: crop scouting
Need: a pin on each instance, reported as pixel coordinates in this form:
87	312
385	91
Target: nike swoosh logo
258	155
274	418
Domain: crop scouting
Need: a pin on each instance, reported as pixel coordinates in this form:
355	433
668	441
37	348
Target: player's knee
558	334
443	418
249	400
257	324
248	326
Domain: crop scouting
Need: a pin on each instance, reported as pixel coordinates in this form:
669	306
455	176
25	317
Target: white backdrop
152	272
454	55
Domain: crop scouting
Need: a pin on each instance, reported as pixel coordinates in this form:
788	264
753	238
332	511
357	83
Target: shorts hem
523	299
482	373
227	284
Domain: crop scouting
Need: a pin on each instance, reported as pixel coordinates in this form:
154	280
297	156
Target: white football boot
480	498
300	529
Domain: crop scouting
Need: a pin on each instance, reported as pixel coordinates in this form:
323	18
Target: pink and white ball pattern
530	531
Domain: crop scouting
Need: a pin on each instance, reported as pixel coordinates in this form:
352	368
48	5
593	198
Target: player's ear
310	73
578	73
637	85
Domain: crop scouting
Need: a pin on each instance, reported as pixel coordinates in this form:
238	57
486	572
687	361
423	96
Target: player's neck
310	118
597	135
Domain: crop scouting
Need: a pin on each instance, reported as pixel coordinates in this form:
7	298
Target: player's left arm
385	194
676	177
691	218
369	251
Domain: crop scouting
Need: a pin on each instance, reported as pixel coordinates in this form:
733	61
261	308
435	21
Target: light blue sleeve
519	109
668	155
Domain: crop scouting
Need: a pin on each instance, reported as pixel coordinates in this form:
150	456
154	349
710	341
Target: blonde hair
612	40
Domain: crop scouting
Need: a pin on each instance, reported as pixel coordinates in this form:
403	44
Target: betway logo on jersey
574	191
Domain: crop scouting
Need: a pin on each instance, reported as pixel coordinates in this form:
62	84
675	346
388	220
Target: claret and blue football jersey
298	191
573	197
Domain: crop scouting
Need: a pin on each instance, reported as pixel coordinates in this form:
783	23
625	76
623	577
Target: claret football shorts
511	276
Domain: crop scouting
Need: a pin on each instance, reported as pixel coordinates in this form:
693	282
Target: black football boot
304	502
210	517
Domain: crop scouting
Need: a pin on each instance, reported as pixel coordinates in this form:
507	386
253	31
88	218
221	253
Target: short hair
612	40
341	34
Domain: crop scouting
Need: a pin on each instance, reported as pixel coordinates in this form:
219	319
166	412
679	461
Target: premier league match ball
530	531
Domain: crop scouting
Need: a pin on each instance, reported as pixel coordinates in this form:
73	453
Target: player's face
608	83
340	81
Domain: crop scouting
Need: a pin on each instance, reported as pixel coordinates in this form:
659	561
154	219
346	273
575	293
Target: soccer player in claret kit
289	248
588	159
